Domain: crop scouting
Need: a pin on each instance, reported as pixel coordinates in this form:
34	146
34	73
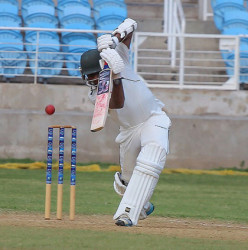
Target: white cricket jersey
140	103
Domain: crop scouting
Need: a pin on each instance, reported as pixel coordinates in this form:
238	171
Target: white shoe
147	210
124	220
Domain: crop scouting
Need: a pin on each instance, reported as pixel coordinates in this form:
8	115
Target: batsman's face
93	78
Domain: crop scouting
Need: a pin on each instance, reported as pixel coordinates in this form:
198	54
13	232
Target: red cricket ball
50	109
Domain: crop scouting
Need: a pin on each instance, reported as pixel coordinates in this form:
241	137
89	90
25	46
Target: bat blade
104	90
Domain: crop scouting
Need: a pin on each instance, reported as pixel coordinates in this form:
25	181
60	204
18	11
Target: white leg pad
120	189
150	163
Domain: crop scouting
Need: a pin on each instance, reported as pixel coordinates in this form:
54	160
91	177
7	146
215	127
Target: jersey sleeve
123	51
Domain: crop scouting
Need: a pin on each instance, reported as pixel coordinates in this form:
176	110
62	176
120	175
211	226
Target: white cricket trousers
154	130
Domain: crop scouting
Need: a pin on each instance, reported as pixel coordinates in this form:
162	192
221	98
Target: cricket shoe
147	210
150	209
124	221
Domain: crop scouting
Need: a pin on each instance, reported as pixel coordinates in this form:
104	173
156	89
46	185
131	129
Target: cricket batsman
144	126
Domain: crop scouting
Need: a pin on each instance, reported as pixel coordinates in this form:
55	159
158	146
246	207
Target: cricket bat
103	96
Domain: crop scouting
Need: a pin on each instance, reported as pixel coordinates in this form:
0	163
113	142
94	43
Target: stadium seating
108	22
109	8
235	19
45	37
9	6
75	14
77	47
50	60
110	11
95	2
81	1
231	18
30	7
109	14
74	44
12	59
24	1
243	62
229	57
222	6
76	21
10	20
41	20
71	7
236	31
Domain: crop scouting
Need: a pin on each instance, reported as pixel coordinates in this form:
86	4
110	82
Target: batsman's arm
117	98
127	40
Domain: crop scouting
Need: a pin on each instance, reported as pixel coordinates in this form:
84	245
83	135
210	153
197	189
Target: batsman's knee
151	159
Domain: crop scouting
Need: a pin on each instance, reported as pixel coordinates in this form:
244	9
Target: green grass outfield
198	196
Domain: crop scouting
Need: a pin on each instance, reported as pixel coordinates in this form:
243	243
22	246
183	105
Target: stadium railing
198	64
206	10
174	23
39	62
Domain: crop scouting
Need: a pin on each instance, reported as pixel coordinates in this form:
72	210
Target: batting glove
126	27
113	60
106	41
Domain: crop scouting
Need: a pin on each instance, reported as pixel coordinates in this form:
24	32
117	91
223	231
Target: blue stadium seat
13	60
97	5
76	21
111	11
96	2
50	62
9	6
41	20
71	7
236	31
213	3
229	57
235	19
45	38
77	47
73	36
221	6
30	7
81	1
226	3
80	43
24	1
11	38
109	22
243	63
10	20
